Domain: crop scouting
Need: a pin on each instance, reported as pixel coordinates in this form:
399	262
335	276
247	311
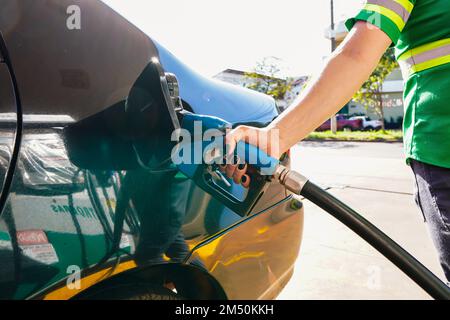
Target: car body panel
79	198
249	259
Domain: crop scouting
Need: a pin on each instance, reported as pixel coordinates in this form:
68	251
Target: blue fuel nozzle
203	144
202	150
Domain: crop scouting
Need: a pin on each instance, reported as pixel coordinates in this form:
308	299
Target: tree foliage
370	94
266	78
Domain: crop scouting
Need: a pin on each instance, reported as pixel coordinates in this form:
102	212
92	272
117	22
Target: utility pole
333	120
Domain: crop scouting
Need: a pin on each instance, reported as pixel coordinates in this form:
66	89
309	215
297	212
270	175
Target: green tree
370	94
266	78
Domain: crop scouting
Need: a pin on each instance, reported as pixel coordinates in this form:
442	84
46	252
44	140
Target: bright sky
213	35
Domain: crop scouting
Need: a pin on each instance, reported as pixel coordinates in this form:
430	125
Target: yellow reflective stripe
430	64
391	15
424	48
405	4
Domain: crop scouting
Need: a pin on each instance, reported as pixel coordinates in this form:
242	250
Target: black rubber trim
19	128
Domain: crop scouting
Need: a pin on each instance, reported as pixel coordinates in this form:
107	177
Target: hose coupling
292	180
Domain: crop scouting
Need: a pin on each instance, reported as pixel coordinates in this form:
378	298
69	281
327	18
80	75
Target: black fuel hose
380	241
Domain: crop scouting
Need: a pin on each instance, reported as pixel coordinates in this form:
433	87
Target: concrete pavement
334	263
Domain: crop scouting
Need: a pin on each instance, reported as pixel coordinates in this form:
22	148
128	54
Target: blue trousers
432	195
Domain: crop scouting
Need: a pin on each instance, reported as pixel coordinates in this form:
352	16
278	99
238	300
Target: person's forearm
345	72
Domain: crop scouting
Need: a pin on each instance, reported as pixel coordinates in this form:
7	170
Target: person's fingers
223	168
233	137
245	181
259	137
231	166
239	172
230	170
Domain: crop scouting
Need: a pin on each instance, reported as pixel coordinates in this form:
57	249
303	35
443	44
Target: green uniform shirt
420	31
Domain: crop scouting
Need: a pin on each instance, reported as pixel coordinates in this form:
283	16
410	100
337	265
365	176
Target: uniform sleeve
390	16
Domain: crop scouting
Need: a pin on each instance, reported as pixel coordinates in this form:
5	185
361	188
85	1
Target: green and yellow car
90	205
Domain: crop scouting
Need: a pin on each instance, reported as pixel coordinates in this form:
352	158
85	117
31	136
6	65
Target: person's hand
263	138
